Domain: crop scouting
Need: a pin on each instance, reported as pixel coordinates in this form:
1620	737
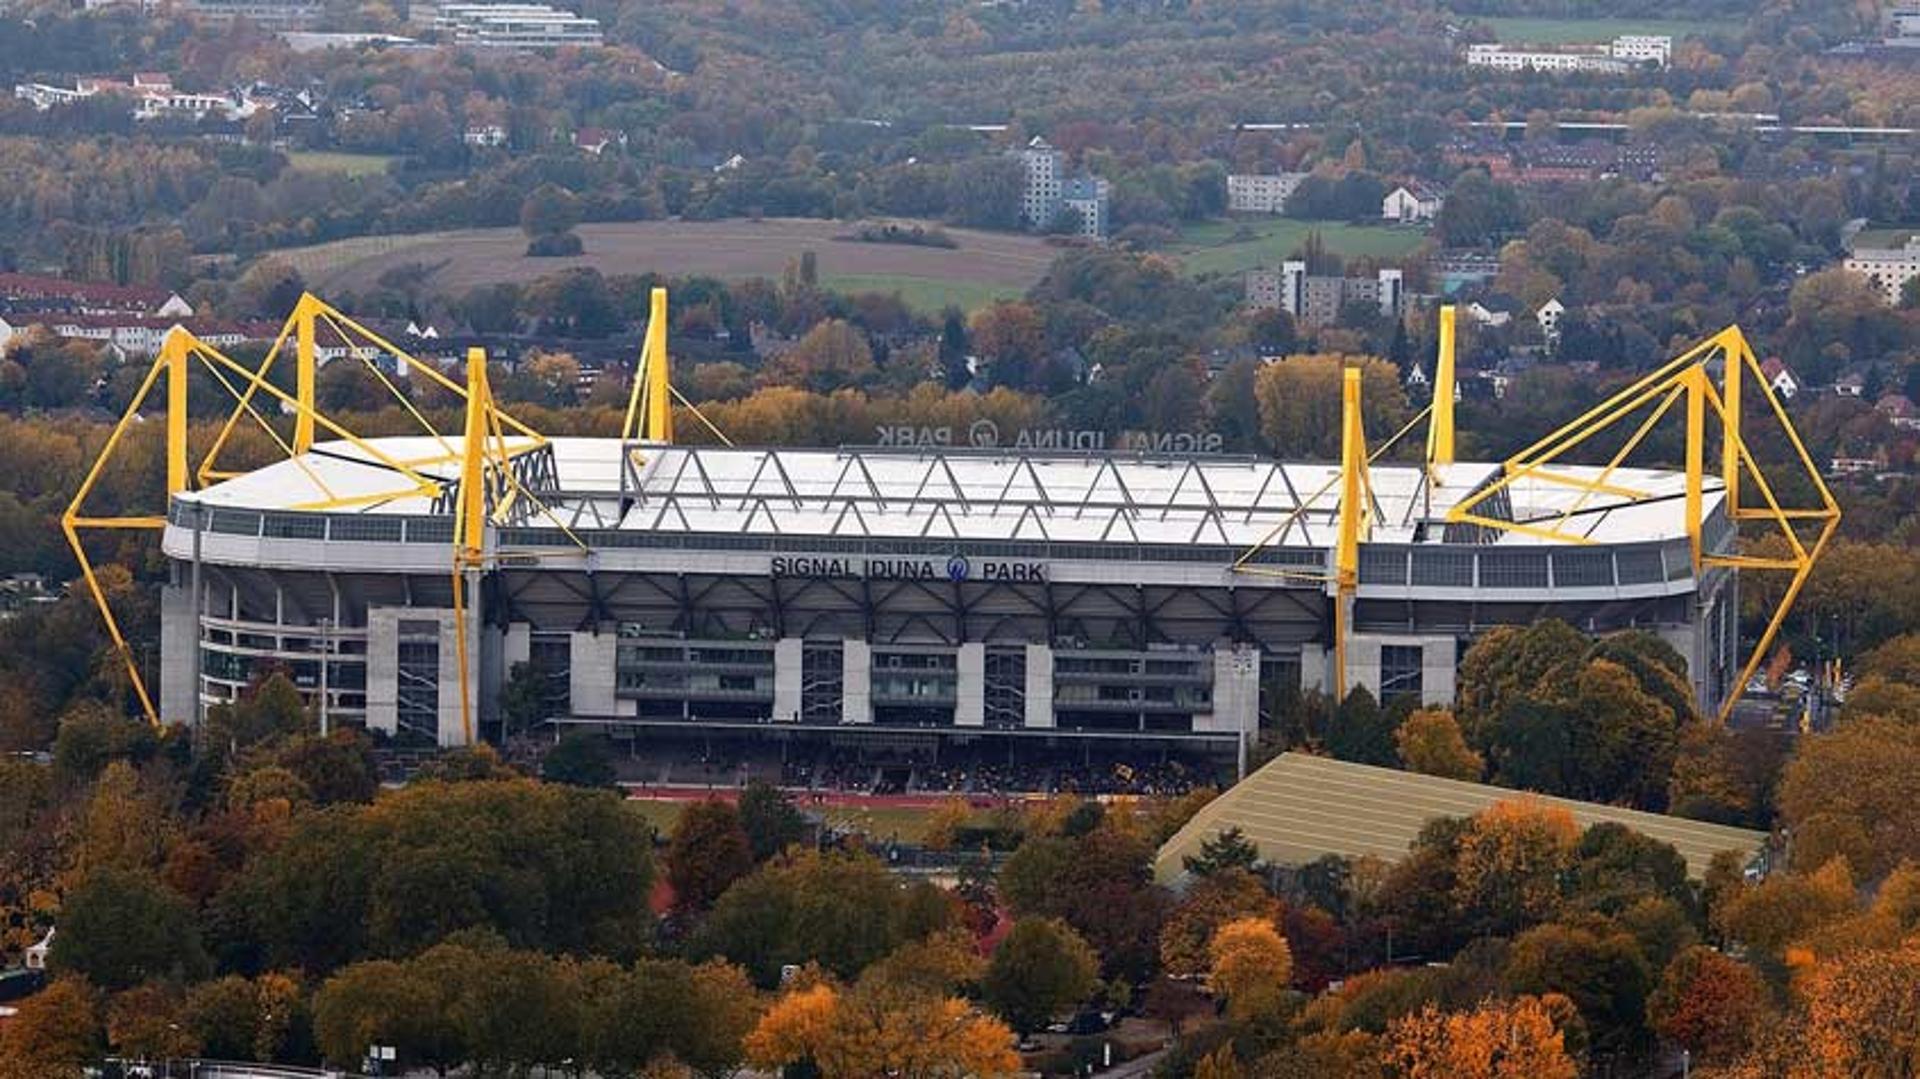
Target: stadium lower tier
1197	665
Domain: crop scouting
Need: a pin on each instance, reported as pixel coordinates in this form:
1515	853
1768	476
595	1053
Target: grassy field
927	295
908	824
351	164
984	266
1533	31
1221	247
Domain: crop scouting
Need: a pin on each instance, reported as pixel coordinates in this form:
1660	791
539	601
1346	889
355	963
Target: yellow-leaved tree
1251	967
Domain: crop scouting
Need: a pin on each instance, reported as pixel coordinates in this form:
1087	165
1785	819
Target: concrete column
383	669
452	727
1437	672
1040	686
970	685
517	646
591	678
856	682
1236	692
179	654
1315	672
788	657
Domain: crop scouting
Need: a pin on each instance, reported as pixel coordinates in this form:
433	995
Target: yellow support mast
1354	496
175	352
649	405
1440	422
470	522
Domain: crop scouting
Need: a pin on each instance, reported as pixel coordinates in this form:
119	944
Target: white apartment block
1040	198
1256	193
515	26
1887	269
1625	53
1643	49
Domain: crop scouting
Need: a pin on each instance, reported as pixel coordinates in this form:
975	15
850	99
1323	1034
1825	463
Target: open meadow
984	265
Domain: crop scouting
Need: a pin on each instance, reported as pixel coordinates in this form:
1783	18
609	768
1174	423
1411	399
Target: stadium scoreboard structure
929	591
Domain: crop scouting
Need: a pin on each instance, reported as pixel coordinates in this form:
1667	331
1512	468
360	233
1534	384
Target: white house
1410	203
1549	318
1780	378
36	954
1486	316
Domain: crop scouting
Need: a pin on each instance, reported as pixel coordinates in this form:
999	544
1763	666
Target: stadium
1005	596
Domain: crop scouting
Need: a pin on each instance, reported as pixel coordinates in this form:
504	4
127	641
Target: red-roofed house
1780	378
31	292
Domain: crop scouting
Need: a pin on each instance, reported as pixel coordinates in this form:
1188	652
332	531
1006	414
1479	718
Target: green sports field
1533	31
1241	244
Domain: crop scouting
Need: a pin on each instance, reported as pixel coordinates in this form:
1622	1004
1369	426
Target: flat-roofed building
515	26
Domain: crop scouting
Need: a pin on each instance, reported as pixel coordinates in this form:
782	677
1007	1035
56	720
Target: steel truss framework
1684	381
486	457
500	459
1026	505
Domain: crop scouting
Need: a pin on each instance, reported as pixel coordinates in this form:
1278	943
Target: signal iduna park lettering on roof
956	568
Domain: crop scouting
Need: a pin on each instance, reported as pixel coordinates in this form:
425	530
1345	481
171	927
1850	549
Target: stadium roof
1298	808
977	495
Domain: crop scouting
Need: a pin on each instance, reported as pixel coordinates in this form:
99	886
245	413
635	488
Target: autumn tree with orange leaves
1709	1003
872	1030
1516	1039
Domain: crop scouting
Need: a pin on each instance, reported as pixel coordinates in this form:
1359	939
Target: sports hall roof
1298	808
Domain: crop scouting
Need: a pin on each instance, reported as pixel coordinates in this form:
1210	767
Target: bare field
985	263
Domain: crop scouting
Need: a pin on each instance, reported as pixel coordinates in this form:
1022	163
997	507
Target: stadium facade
920	590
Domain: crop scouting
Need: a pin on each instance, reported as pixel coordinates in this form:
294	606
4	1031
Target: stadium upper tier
964	495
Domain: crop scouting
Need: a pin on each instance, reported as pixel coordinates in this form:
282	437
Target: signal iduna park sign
985	434
956	568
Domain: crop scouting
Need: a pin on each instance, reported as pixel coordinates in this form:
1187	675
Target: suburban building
268	14
1089	197
1624	54
33	292
1260	193
132	336
1887	269
1780	378
1412	203
1548	316
1654	49
1048	191
1317	300
515	26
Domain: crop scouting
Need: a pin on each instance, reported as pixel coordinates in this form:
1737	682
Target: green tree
841	910
579	760
1041	969
121	927
1362	731
773	823
549	210
708	851
1229	850
337	768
